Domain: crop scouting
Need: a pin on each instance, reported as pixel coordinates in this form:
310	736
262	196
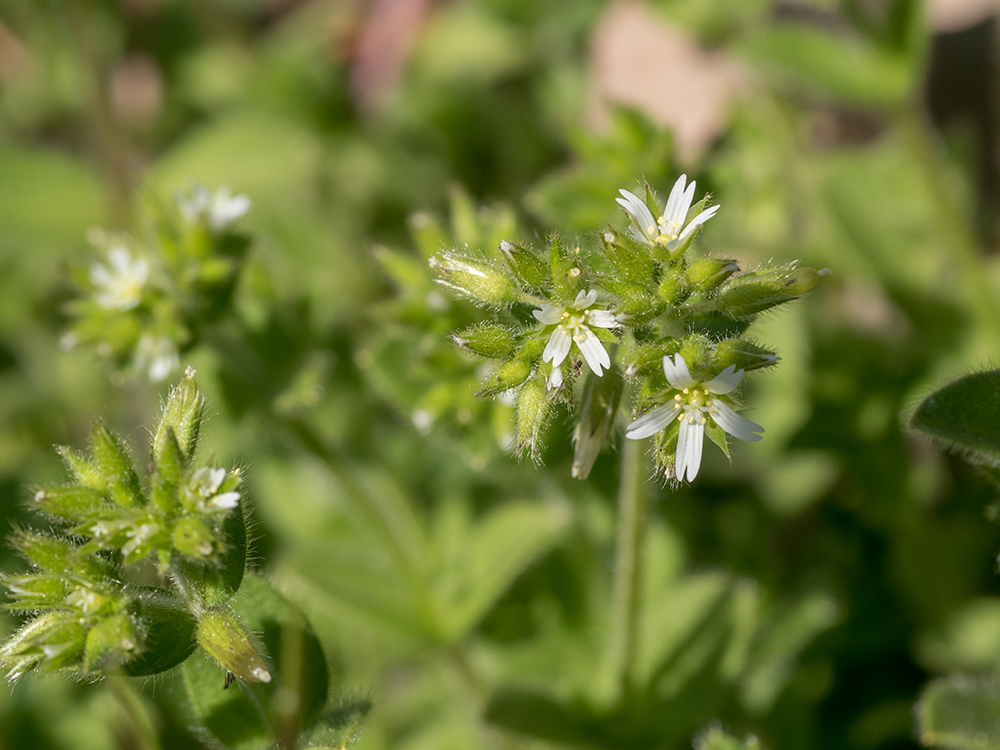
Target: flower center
574	320
694	403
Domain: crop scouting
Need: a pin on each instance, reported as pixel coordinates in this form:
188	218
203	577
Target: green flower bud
30	593
525	264
533	410
44	552
743	355
50	641
84	471
114	636
697	351
648	358
673	289
754	292
493	341
509	375
638	308
115	464
476	279
224	640
598	409
72	503
193	538
706	274
564	269
183	414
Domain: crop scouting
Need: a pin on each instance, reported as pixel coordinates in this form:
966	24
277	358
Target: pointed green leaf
965	415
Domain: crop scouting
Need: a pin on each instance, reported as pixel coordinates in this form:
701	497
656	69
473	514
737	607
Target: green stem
142	728
954	220
628	567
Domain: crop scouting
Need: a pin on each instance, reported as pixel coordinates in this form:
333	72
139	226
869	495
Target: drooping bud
533	410
192	537
598	409
754	292
706	274
224	640
476	279
183	414
743	355
115	464
525	264
71	503
493	341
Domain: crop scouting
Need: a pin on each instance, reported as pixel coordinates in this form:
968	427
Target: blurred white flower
157	357
694	401
218	209
204	486
119	284
573	325
668	230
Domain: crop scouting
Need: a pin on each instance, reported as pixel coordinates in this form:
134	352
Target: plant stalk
628	565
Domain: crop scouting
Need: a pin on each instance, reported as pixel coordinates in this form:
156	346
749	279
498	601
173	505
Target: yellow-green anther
224	640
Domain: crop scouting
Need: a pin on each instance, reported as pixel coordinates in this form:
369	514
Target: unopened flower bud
509	375
114	462
755	292
743	355
525	264
633	265
648	358
697	351
183	414
476	279
706	274
224	640
601	396
493	341
114	636
533	410
71	503
44	552
193	538
84	471
32	593
673	289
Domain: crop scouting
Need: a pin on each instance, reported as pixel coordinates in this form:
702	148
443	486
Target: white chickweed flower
573	326
668	230
157	357
690	406
204	486
119	284
218	209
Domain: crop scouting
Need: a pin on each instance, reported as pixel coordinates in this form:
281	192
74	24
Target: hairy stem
628	565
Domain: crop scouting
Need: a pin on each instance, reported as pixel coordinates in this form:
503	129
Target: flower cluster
142	304
643	313
186	519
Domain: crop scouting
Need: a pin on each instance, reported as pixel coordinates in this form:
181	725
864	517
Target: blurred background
805	595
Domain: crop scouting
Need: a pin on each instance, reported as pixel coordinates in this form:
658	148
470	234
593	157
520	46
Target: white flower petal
555	379
677	372
549	315
225	501
585	299
602	319
725	382
640	237
653	422
592	349
675	199
558	347
639	212
689	443
733	423
696	222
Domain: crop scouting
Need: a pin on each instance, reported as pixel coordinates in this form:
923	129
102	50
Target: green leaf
499	549
167	633
849	70
965	415
246	715
960	712
542	716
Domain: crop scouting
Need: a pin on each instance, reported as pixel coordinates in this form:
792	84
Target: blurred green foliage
804	596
